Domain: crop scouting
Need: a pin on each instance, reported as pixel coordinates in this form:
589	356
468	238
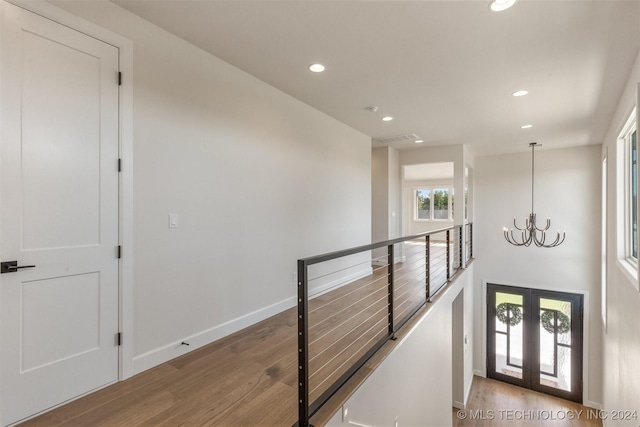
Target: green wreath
516	313
564	323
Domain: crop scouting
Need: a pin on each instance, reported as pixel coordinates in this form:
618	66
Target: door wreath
516	313
564	323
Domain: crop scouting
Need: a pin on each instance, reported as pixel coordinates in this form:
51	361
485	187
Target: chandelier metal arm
545	228
526	225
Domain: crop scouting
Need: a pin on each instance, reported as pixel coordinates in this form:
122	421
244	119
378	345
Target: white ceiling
444	70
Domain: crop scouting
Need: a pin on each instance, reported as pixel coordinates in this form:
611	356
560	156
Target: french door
534	339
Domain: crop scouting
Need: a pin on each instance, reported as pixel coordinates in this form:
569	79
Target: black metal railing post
390	262
460	247
427	256
448	256
303	346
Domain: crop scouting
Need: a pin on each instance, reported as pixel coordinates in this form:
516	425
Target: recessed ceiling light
526	126
387	119
520	93
418	141
316	68
500	5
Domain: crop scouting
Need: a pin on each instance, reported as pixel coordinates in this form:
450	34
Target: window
603	252
424	204
633	194
434	203
627	199
628	139
466	193
441	203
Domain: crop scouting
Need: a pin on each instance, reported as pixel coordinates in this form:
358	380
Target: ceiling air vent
407	137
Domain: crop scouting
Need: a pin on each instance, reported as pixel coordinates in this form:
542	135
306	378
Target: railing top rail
338	254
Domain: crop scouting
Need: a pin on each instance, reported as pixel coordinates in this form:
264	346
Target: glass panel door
534	339
559	339
507	334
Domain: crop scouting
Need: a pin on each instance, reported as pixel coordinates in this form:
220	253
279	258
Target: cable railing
468	241
352	301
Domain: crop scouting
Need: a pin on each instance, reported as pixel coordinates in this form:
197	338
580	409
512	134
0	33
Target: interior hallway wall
385	198
257	178
621	334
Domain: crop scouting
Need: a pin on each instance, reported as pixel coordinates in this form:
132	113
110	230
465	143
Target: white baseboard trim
467	394
383	262
594	405
334	284
479	373
458	405
170	351
175	349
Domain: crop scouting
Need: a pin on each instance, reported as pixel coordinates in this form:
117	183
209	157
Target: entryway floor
496	404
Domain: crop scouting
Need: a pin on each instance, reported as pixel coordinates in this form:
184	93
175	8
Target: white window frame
432	189
466	194
603	247
627	262
626	134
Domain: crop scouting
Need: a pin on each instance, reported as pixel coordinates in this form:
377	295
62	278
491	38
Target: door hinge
119	252
119	78
119	165
119	338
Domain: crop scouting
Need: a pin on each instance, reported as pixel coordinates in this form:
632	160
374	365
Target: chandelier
531	233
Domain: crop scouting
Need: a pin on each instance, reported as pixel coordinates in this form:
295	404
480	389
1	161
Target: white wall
568	191
385	190
257	178
621	338
458	351
379	194
469	162
414	383
385	200
395	195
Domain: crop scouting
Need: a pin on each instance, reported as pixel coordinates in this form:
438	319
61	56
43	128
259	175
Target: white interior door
58	213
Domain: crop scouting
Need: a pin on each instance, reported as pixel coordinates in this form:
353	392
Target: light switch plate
173	220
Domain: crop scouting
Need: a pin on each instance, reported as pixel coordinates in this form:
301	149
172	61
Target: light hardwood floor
245	379
250	378
497	404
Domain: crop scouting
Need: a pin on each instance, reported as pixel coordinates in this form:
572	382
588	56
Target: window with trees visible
424	204
434	203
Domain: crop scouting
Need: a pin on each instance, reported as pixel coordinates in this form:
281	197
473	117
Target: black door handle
12	267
